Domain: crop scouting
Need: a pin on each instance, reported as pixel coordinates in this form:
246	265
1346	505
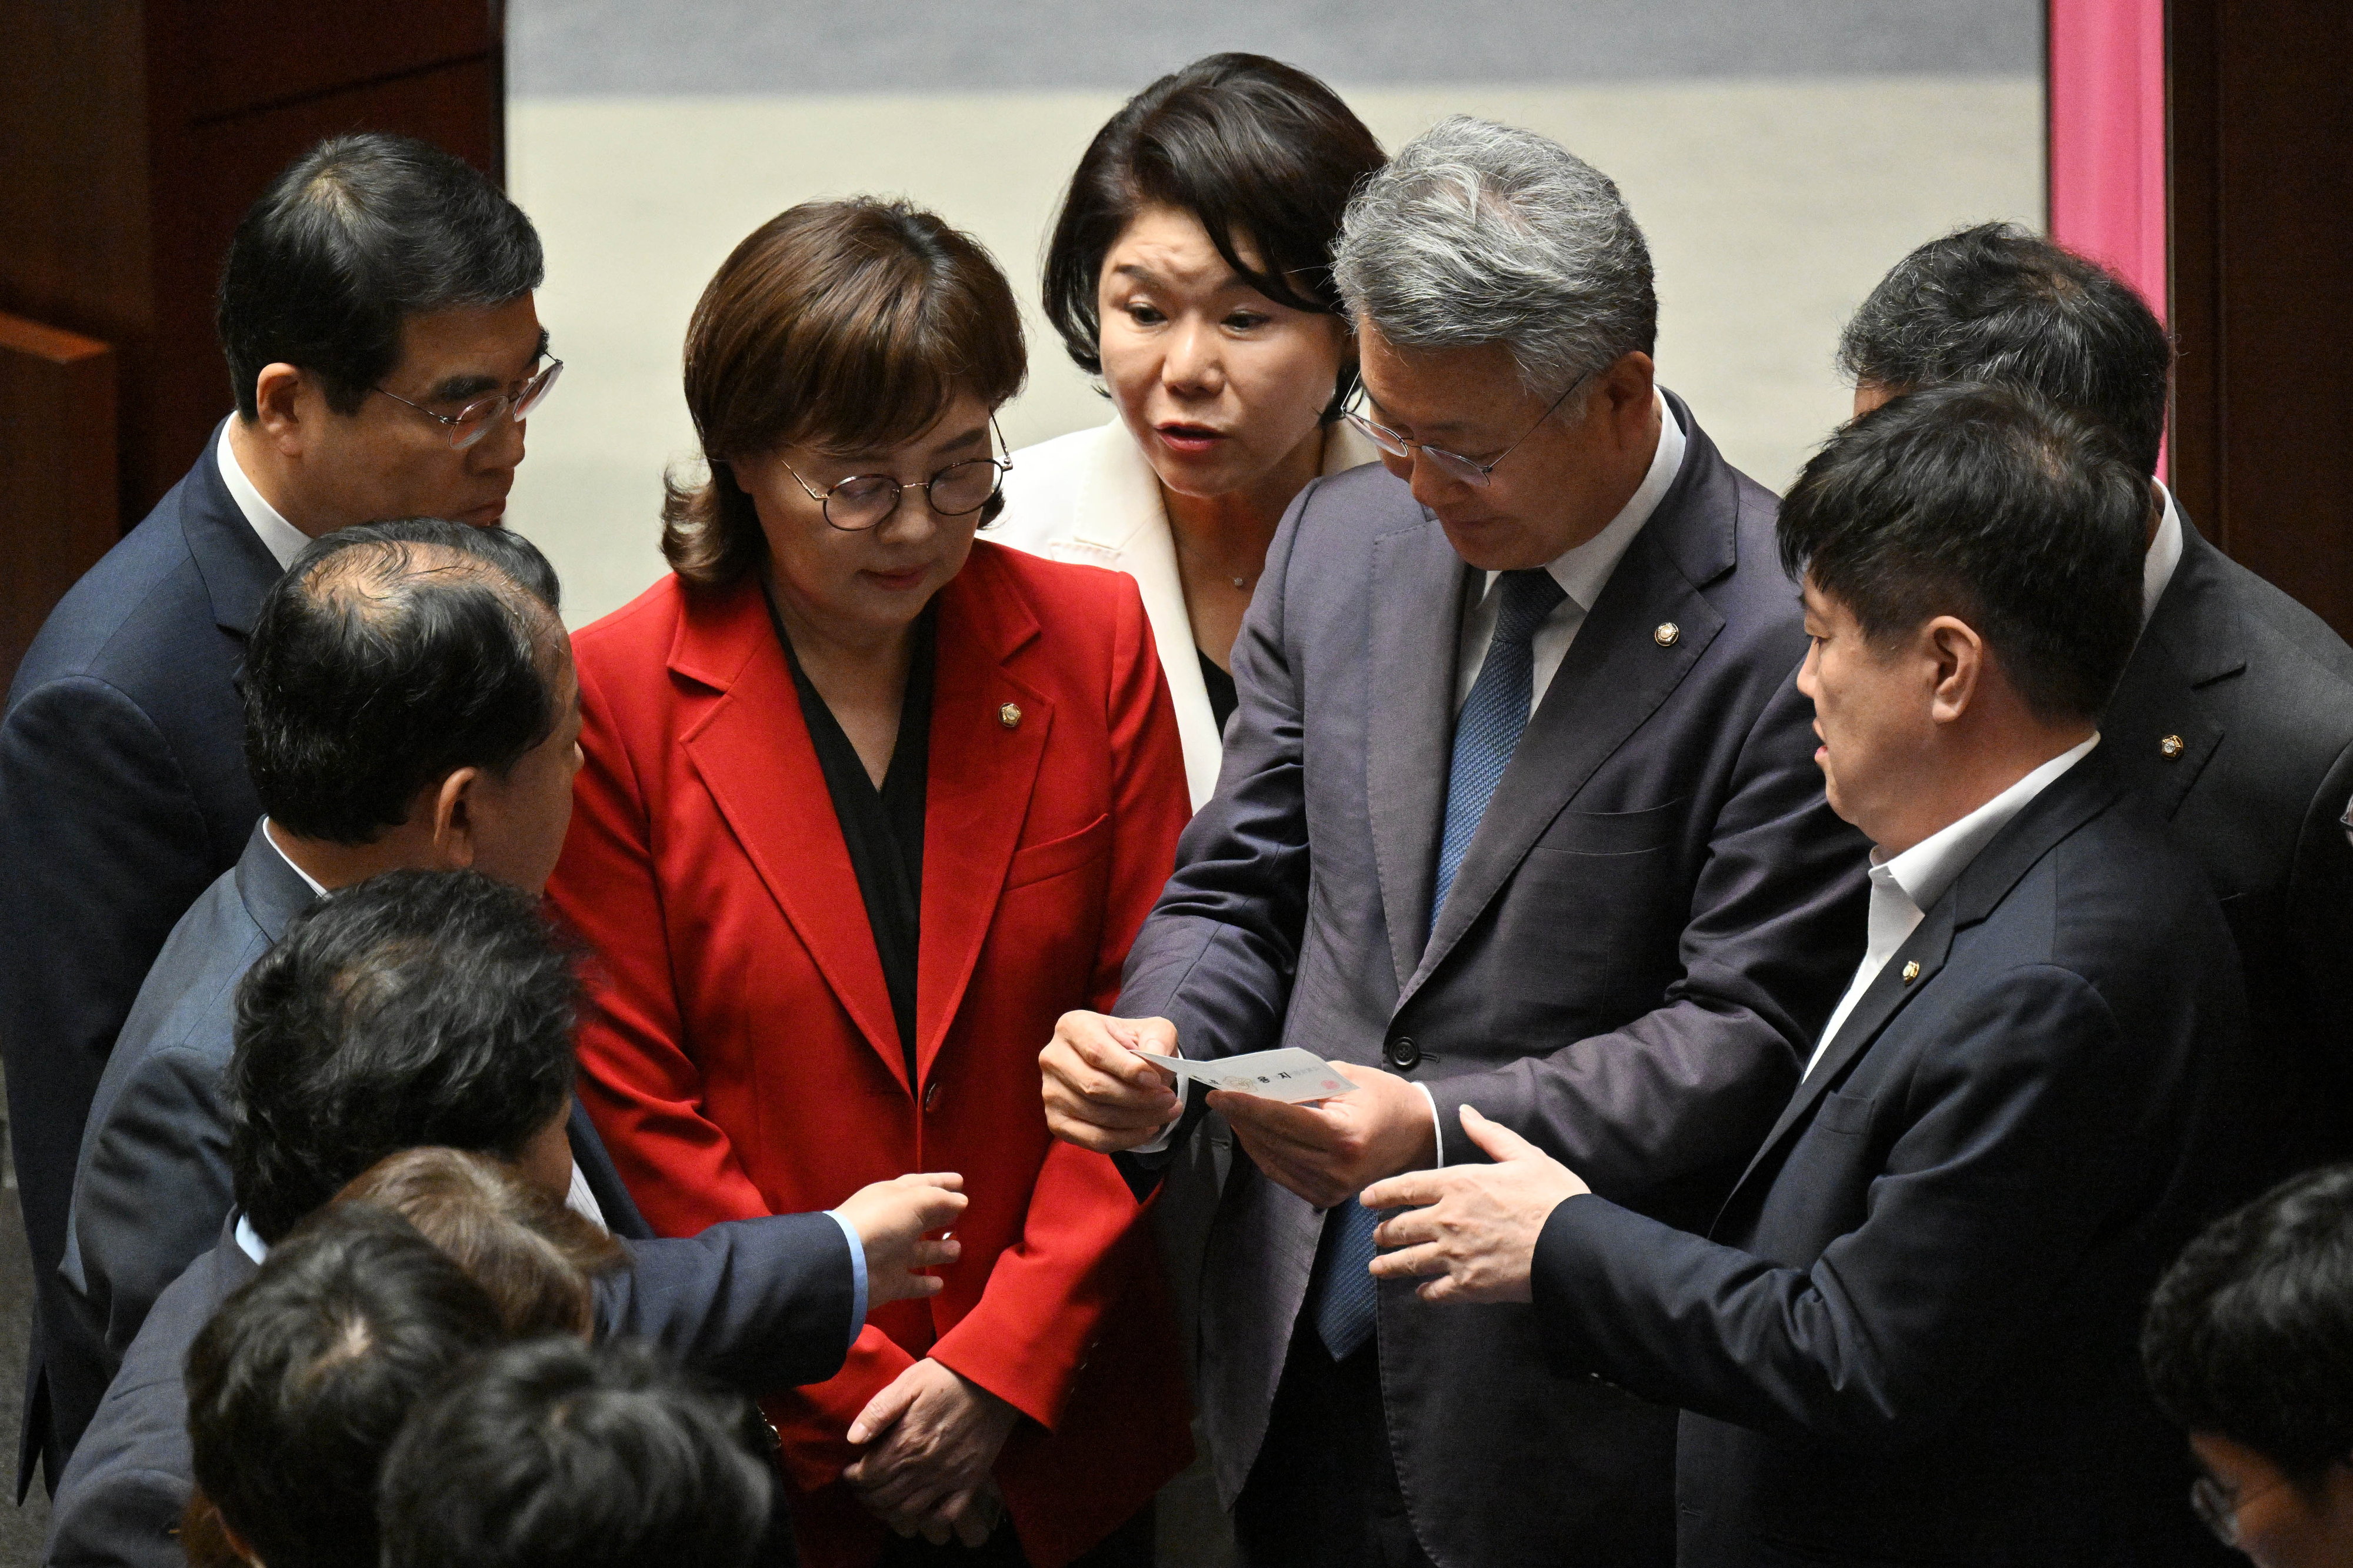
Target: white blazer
1090	497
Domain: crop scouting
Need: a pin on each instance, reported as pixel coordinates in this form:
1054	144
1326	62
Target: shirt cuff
1160	1140
857	1272
1437	1128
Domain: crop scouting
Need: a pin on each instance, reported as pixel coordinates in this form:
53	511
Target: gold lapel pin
1667	634
2169	748
1911	972
1010	716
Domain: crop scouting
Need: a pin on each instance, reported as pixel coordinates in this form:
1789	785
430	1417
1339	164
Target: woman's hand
935	1436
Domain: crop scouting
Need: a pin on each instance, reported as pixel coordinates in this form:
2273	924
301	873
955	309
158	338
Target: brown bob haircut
1259	152
847	326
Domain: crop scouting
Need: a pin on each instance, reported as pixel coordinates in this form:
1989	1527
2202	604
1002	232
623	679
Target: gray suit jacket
1657	913
759	1303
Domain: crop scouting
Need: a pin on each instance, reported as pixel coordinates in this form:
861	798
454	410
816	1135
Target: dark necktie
1486	732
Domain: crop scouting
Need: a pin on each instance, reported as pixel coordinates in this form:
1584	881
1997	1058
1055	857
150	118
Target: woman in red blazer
867	806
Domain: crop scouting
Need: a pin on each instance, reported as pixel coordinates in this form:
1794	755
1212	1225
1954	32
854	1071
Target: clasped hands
1470	1230
934	1436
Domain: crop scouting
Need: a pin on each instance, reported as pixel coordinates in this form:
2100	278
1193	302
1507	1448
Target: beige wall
1771	207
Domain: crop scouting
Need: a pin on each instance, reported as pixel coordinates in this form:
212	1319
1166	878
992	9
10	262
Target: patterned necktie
1488	730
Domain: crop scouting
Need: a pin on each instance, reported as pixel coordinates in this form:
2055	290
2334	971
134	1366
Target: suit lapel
1417	595
753	754
977	794
273	891
1615	676
236	567
2188	646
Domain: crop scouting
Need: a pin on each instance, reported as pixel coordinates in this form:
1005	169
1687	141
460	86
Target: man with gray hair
1519	811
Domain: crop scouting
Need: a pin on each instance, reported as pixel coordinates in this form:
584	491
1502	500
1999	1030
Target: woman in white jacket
1189	270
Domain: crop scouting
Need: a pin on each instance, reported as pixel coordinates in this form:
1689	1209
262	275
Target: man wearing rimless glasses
1518	811
375	311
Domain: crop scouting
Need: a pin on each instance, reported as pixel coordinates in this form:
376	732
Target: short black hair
300	1383
1992	504
359	234
416	1007
1252	148
2250	1334
1995	303
556	1452
389	655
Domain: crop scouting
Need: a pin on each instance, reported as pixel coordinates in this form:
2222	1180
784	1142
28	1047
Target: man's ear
1959	659
455	823
1628	393
285	403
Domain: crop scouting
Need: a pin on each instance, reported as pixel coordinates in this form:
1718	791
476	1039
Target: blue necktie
1486	732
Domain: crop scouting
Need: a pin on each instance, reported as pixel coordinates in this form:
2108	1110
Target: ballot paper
1291	1075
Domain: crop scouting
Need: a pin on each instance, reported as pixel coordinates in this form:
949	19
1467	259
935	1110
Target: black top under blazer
1910	1336
1657	913
123	794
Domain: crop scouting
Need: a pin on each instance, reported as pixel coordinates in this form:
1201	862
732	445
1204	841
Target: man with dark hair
2248	1345
592	1456
2234	717
436	1008
297	1386
1908	1335
376	312
408	701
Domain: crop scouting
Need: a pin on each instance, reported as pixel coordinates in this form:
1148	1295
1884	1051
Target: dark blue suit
123	792
1910	1334
760	1303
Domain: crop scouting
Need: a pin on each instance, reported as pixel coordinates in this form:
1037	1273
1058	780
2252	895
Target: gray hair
1478	233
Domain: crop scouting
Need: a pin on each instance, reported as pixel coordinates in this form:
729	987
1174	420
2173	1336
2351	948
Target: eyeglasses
864	501
2218	1509
473	421
1454	465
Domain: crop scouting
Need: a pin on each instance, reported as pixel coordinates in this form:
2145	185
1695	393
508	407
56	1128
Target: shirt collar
249	1242
280	538
315	885
1583	572
1926	870
2164	556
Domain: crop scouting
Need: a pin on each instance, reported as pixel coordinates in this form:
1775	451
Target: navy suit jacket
759	1303
1656	914
123	794
2257	693
1910	1334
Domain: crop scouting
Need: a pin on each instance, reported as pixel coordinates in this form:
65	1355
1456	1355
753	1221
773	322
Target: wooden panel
183	383
362	44
2263	170
57	472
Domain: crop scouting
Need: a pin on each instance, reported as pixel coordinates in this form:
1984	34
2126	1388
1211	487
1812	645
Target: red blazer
740	1057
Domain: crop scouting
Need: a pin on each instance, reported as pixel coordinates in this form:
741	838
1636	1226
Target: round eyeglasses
1454	465
474	421
864	501
2217	1507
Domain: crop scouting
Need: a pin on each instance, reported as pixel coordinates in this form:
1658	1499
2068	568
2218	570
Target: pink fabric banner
2107	138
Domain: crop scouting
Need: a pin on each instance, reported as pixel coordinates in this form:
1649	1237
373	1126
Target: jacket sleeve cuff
857	1277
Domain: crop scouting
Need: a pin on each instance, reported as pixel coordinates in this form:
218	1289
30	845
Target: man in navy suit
433	1008
2234	718
375	309
1909	1334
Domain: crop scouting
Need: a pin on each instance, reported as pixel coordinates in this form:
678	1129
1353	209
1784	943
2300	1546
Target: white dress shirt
1905	887
280	538
1582	573
2164	556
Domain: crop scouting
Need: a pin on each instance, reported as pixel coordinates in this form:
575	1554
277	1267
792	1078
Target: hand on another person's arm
934	1437
1099	1093
1472	1230
891	1219
1329	1151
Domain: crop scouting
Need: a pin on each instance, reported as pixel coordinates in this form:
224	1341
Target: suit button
931	1097
1403	1052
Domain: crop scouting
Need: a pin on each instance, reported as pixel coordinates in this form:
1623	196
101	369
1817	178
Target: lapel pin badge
2169	748
1668	633
1010	716
1911	972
